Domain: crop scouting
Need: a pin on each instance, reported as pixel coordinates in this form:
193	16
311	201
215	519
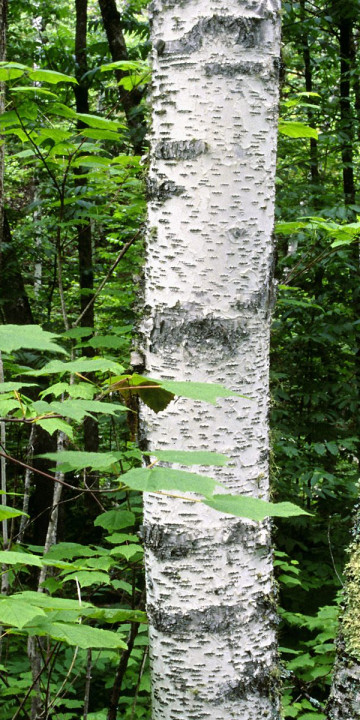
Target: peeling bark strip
208	279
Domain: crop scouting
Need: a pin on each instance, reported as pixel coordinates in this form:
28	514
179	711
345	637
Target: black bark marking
241	69
244	31
161	191
180	149
256	681
217	336
216	620
165	543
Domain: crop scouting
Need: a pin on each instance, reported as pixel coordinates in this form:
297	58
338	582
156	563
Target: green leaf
9	386
14	337
159	479
51	77
184	457
122	65
83	390
8	404
49	602
77	409
115	616
115	519
206	392
104	562
52	425
88	578
53	134
118	538
69	550
10	557
95	121
78	332
106	341
9	512
81	365
96	134
17	612
91	161
30	90
10	73
297	130
155	397
127	551
62	111
85	637
161	392
252	508
76	460
287	228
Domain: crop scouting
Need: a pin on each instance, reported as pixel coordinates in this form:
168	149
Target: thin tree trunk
85	250
129	100
14	303
34	654
210	590
314	159
27	486
346	113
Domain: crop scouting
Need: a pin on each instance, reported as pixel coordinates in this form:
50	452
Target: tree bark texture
344	702
210	592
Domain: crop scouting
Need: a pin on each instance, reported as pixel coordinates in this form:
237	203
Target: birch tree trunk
210	593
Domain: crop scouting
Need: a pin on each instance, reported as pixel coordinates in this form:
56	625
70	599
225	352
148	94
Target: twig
33	684
125	656
106	278
141	670
332	556
27	487
87	684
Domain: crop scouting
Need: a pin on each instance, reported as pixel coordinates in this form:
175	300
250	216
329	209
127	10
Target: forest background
72	246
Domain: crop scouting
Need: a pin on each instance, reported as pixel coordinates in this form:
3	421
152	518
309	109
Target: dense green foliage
74	632
315	346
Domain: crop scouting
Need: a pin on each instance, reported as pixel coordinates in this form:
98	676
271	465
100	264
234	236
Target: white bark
208	297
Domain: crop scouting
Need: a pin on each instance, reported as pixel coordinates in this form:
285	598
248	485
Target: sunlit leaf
184	457
81	365
76	460
14	337
297	130
115	519
252	508
160	479
17	612
51	76
9	512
